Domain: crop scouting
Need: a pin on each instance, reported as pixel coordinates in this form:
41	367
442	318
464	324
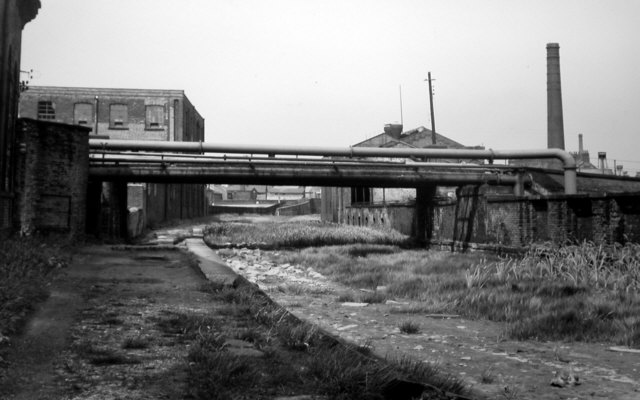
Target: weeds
218	374
409	327
298	234
305	361
26	268
582	292
187	325
487	377
297	336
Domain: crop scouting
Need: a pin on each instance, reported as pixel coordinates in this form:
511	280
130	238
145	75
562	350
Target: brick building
129	114
14	15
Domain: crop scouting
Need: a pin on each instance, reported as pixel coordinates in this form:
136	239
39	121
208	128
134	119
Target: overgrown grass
298	234
26	268
297	359
582	292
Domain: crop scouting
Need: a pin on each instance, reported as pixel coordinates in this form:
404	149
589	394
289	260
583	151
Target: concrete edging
211	265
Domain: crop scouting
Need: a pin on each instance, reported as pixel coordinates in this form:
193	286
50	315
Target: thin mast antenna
401	118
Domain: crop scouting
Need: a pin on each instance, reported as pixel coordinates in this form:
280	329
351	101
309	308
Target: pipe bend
567	159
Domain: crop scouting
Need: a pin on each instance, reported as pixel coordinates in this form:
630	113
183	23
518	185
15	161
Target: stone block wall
395	216
51	178
480	219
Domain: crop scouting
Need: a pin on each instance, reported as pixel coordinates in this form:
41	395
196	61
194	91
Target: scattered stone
565	379
624	349
442	316
396	303
344	328
352	304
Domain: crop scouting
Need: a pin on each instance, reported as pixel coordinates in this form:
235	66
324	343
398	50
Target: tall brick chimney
555	124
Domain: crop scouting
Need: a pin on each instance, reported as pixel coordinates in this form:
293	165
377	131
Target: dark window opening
154	116
360	195
82	113
46	110
118	116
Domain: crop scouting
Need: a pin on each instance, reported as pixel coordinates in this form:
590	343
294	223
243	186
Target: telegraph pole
433	121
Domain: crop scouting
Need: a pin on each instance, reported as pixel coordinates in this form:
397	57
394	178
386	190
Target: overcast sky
302	72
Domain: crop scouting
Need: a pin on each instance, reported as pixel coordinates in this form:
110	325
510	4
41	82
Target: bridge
186	162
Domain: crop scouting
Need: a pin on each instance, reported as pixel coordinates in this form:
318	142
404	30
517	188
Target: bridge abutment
424	214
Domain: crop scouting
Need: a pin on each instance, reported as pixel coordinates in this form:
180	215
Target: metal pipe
570	186
145	157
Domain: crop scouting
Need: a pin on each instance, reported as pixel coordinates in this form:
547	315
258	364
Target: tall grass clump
599	266
584	292
298	234
26	268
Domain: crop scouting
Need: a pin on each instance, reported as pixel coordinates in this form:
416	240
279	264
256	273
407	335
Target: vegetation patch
289	234
409	327
27	266
297	359
582	292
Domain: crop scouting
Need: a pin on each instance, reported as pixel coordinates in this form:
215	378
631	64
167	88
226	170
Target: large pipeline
569	164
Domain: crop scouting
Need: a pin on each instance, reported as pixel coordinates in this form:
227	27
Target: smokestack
555	124
580	147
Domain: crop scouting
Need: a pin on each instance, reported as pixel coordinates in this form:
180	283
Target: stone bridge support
424	214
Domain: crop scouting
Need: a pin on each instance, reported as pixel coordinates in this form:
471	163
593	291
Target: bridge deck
319	172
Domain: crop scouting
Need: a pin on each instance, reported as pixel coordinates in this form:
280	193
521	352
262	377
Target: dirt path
74	347
473	350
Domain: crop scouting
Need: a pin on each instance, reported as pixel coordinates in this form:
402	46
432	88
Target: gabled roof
419	137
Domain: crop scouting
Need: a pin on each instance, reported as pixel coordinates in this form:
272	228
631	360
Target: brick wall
52	174
480	219
14	14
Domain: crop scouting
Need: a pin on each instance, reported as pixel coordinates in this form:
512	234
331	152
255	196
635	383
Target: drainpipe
567	160
97	114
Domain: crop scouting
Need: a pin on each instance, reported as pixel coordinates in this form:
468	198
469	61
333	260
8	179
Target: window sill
118	128
161	129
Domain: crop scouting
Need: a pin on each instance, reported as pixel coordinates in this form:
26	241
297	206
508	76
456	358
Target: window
360	194
154	117
82	114
46	110
118	116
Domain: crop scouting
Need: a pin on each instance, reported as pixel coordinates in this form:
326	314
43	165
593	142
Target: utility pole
433	121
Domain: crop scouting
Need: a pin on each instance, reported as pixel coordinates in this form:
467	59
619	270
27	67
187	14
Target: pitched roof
419	137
